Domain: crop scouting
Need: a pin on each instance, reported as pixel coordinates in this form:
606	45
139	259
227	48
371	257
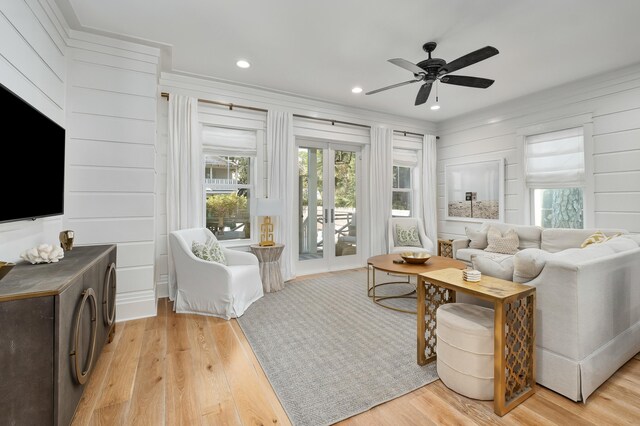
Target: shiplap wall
111	155
613	102
32	65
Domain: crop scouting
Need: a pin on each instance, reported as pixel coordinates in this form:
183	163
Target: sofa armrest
237	257
459	244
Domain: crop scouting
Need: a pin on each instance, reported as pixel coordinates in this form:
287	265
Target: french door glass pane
345	229
310	207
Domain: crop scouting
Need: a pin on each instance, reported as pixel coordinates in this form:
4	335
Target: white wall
32	65
111	116
612	101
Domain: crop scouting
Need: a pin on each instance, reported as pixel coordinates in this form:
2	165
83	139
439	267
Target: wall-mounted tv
32	161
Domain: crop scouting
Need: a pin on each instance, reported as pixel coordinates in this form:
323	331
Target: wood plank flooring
194	370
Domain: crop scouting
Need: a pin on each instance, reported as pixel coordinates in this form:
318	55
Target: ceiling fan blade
423	94
469	59
403	63
463	80
373	92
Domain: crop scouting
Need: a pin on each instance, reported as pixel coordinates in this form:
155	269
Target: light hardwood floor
192	370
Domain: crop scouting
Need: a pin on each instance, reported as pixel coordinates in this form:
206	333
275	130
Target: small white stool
465	349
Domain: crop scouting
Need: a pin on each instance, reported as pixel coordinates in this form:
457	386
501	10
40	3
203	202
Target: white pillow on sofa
499	243
528	263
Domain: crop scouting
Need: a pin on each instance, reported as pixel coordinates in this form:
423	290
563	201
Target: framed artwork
474	192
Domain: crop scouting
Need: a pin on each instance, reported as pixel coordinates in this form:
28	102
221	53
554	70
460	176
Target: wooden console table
514	328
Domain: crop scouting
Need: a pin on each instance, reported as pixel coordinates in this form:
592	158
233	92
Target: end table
269	260
445	248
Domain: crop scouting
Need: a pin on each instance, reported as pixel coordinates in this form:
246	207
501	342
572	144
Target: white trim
162	288
537	104
135	305
215	90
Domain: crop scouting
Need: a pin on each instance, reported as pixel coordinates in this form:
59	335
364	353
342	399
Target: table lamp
267	207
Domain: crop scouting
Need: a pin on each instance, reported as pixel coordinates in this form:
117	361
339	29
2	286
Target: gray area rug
330	352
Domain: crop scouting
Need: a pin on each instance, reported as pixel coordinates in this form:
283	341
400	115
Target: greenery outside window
402	192
228	189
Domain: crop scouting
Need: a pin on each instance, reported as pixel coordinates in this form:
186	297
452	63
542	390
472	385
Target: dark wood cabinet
54	321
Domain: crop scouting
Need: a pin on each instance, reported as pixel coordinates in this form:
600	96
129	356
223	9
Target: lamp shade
268	207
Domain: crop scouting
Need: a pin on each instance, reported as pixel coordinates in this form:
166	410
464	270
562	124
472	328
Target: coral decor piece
44	253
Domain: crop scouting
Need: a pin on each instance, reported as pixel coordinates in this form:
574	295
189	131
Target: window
554	174
402	195
230	176
558	208
228	190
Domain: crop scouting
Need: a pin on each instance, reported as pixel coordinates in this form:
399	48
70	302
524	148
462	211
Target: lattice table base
514	328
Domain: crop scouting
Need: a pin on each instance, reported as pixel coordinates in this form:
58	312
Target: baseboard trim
135	305
162	287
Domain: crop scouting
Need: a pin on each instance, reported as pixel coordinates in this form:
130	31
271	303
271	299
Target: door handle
333	216
326	215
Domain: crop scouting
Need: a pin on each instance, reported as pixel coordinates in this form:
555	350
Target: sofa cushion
477	239
632	237
501	267
465	254
499	243
558	239
528	263
578	256
528	235
619	244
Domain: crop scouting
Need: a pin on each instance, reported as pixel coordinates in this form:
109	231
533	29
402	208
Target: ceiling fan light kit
432	70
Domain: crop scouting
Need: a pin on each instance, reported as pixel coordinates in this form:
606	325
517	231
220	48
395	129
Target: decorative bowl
5	267
415	257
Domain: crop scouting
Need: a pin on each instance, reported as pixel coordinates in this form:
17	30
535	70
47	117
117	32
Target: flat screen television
32	166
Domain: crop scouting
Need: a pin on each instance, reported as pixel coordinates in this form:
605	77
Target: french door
328	203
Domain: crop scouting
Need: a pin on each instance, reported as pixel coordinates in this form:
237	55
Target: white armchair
210	288
427	244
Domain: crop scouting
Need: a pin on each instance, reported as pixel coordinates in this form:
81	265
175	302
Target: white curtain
281	157
185	207
430	188
380	183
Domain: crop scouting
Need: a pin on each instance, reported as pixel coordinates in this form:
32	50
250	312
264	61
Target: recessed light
435	107
243	64
356	90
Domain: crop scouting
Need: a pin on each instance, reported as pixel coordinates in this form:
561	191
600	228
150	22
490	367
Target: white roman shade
405	157
238	142
555	159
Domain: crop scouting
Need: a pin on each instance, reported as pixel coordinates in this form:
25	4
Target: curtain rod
328	120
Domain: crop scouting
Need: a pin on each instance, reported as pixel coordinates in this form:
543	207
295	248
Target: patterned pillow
507	244
210	251
407	237
597	238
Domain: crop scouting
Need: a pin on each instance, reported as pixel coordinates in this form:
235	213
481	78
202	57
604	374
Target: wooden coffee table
514	329
385	263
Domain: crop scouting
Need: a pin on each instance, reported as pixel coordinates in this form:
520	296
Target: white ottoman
465	349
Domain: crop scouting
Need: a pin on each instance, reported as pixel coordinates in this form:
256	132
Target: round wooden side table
269	260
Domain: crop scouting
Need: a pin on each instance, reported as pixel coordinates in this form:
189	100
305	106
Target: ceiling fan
434	69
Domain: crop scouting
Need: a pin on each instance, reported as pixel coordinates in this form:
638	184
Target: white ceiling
321	49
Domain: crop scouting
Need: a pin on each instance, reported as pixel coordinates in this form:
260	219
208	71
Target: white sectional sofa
588	301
